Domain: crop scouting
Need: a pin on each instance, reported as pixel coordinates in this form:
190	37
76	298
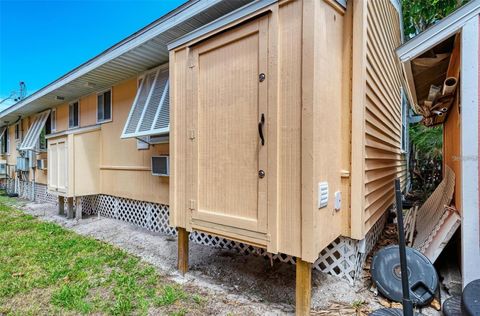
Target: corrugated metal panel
143	50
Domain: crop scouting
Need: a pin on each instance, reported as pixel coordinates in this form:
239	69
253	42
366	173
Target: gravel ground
237	284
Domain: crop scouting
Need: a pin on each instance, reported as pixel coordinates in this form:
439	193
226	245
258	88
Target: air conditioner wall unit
160	166
42	164
22	164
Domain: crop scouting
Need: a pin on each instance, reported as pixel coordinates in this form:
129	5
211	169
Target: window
104	106
5	142
17	131
53	120
73	114
404	136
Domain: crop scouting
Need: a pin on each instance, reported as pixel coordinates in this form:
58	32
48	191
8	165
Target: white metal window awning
31	139
149	114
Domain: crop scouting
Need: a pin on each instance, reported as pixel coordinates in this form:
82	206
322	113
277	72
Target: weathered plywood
452	130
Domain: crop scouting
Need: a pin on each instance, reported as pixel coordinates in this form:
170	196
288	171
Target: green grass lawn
46	269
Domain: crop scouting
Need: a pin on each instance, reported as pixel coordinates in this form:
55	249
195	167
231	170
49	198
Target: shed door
58	165
227	161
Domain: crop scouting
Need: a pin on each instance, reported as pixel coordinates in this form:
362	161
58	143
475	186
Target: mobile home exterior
282	121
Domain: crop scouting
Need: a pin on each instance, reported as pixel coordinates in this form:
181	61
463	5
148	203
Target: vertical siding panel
289	122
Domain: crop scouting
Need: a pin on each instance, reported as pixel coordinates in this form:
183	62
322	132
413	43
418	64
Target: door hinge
191	134
191	205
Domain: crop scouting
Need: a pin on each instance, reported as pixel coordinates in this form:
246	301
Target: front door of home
227	126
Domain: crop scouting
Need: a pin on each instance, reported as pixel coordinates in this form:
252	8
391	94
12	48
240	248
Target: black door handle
260	128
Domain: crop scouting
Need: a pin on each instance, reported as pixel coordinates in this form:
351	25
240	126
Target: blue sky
42	40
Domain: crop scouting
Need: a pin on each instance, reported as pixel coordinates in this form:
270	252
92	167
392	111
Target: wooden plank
78	209
346	115
182	250
303	288
307	130
272	62
69	207
359	59
61	205
289	116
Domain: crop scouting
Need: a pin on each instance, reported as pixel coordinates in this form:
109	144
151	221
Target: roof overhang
430	38
141	51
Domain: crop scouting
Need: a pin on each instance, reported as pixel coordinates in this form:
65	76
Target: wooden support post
303	288
78	209
69	207
61	205
182	250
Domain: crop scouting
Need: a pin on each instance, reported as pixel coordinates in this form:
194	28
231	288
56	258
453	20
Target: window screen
104	106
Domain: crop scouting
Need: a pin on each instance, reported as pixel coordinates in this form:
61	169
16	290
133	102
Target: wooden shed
286	124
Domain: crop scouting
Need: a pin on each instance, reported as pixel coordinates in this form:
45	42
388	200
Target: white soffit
31	139
149	114
221	22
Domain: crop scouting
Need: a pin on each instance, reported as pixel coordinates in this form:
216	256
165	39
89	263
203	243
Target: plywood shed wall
377	158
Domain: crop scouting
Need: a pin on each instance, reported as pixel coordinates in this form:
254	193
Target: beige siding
380	117
122	170
125	170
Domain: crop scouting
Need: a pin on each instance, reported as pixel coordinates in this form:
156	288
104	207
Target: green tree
420	14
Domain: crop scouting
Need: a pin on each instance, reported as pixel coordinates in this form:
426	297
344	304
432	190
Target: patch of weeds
180	312
198	299
358	304
170	294
71	297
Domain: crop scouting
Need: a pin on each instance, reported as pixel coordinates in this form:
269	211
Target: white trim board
469	155
221	22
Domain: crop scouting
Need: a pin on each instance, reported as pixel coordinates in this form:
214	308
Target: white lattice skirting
343	257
